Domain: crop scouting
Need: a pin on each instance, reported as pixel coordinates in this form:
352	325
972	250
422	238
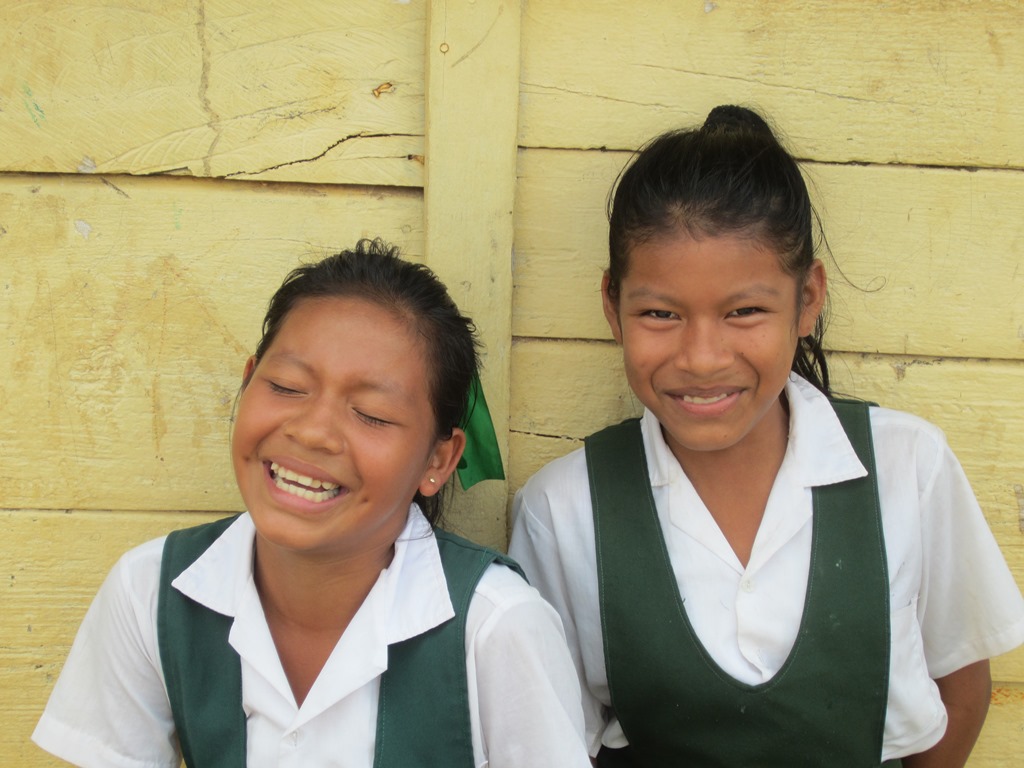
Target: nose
703	348
316	426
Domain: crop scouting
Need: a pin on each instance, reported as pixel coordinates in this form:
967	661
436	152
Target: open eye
659	314
745	312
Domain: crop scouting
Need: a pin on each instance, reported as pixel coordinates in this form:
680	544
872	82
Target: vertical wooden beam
472	107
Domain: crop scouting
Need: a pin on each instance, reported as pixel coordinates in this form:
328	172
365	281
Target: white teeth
305	493
295	477
292	482
703	400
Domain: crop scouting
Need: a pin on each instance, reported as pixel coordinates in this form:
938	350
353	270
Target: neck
735	483
309	603
316	594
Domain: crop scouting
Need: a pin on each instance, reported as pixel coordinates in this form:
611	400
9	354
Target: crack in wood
316	157
204	85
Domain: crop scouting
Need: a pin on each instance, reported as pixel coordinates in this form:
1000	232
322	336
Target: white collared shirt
953	600
110	708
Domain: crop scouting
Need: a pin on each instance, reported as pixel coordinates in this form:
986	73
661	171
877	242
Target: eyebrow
757	290
370	385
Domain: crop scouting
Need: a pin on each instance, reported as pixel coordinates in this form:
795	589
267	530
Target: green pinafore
825	707
204	676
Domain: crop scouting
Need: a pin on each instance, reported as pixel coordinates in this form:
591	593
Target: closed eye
372	420
281	390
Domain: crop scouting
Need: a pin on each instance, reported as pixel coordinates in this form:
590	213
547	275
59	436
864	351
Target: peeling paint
1005	695
383	88
34	110
709	7
83	228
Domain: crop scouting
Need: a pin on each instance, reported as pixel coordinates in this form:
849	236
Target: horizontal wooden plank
916	82
931	258
127	310
567	389
333	93
51	566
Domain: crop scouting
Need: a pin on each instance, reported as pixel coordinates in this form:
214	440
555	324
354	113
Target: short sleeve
523	688
970	607
553	540
109	708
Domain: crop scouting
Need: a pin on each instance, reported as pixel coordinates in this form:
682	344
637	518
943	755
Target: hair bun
728	117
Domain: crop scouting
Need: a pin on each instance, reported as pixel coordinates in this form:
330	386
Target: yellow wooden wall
163	164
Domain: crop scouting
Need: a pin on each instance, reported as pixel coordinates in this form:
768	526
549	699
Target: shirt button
747	585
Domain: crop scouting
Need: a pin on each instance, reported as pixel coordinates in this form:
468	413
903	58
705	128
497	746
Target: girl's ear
443	462
812	298
250	366
611	310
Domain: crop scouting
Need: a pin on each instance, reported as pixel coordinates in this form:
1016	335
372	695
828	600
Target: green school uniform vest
423	711
825	707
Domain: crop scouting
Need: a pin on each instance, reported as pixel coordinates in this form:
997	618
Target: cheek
247	425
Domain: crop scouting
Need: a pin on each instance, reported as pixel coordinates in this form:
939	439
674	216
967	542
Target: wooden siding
919	82
331	93
163	164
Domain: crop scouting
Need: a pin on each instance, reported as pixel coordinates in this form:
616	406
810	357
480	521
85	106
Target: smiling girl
331	624
755	573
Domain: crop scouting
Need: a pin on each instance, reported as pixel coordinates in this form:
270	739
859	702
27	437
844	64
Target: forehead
349	329
680	251
348	310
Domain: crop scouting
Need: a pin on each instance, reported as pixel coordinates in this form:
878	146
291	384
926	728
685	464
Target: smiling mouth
696	400
304	487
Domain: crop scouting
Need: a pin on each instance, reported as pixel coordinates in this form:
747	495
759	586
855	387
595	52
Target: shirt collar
819	451
410	597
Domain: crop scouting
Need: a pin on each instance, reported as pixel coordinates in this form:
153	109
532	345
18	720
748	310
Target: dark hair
730	176
374	272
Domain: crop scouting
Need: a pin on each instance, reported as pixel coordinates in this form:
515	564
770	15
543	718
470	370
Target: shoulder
888	424
126	603
137	571
561	484
562	475
523	690
505	609
114	664
907	445
552	517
